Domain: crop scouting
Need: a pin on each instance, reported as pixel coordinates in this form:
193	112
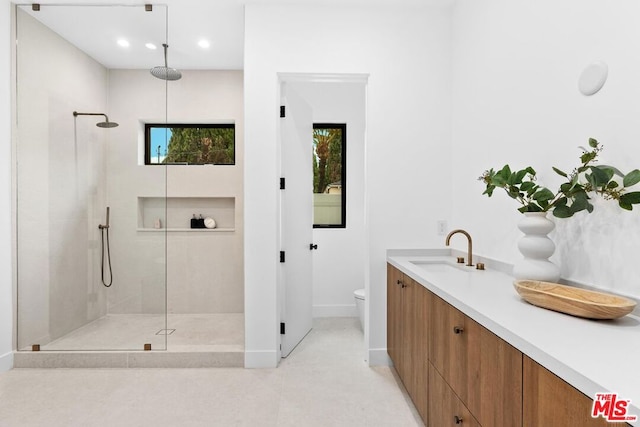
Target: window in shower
190	144
329	186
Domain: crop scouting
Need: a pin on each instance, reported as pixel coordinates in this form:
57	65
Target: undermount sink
441	266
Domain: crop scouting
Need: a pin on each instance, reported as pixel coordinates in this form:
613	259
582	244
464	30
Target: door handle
312	246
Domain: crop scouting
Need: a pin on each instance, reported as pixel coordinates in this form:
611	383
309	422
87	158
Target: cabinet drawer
449	344
483	370
445	409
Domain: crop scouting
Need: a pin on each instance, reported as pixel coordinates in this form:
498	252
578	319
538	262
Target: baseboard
335	310
6	361
260	359
379	357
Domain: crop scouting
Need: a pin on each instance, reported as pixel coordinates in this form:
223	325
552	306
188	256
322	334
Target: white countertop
594	356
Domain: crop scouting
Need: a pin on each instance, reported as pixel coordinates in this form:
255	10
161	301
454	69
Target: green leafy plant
573	195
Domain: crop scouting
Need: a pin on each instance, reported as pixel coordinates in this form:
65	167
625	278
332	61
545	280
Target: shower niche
175	213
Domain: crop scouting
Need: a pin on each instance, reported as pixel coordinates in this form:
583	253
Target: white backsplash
601	249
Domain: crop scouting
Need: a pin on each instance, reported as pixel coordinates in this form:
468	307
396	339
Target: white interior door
296	218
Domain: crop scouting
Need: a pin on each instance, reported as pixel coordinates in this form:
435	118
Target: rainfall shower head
105	124
165	72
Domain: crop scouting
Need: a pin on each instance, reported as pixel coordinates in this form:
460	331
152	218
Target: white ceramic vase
536	248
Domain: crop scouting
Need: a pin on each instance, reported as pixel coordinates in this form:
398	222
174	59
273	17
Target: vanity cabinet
457	372
549	400
408	303
471	375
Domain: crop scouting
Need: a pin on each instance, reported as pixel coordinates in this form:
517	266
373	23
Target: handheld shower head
105	124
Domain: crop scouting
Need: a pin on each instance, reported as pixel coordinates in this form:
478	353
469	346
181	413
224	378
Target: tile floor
324	382
192	332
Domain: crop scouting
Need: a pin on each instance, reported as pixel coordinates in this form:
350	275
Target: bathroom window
329	189
190	144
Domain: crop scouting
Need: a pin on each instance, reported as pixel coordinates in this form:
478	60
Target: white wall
6	265
516	101
138	259
406	51
339	263
204	269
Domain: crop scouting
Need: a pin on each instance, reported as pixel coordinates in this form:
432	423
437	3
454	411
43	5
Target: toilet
359	296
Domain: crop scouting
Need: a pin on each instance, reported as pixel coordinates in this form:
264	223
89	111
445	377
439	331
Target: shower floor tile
180	333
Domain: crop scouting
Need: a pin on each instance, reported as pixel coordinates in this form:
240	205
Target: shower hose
105	230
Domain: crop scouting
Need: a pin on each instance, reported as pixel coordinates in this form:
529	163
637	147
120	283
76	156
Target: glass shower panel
91	270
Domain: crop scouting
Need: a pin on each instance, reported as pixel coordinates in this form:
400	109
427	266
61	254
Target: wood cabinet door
394	316
418	298
445	409
408	289
494	378
482	369
448	349
408	305
550	401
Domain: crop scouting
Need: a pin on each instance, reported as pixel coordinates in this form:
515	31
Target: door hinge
282	111
282	328
281	256
282	183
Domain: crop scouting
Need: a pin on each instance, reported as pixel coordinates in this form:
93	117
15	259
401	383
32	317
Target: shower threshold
186	341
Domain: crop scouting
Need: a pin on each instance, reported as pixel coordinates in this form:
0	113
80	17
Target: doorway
337	267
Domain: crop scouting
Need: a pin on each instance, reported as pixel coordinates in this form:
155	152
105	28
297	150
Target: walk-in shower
84	196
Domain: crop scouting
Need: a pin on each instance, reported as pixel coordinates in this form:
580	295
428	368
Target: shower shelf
175	213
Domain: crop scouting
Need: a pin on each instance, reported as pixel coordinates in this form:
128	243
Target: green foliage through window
192	144
329	152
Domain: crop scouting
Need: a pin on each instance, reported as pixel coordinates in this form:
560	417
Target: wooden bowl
575	301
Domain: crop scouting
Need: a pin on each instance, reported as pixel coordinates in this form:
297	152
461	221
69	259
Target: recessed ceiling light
123	43
151	46
204	44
